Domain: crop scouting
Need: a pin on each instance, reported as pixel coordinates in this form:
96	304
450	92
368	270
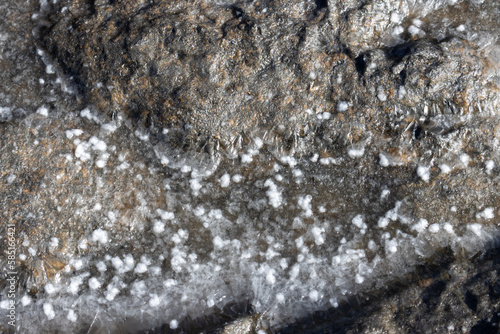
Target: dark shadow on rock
354	314
347	318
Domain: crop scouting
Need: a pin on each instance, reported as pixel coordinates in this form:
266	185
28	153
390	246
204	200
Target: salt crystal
246	158
25	300
100	236
381	96
195	186
141	268
49	288
445	169
424	173
155	302
101	266
384	162
97	144
356	153
398	30
358	221
218	242
305	203
448	228
383	222
488	213
421	225
270	279
273	194
43	111
465	159
158	227
489	165
49	311
314	295
94	283
342	106
319	239
395	17
434	228
225	180
414	30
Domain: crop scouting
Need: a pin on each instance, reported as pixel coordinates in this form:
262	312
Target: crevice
360	64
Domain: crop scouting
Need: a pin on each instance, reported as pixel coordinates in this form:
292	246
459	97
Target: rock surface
226	69
251	166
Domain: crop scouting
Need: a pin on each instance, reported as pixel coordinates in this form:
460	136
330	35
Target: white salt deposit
94	283
434	228
97	144
195	186
488	213
246	158
381	95
305	203
445	169
72	316
158	227
82	151
237	178
44	111
73	133
476	228
100	235
465	159
384	162
155	302
414	30
319	238
25	300
273	194
420	225
314	295
398	30
342	106
48	309
489	165
356	153
86	113
395	17
424	173
225	180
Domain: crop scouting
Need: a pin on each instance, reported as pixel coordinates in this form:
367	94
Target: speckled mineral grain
250	166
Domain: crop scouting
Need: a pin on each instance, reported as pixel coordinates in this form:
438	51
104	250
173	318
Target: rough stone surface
225	69
251	166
